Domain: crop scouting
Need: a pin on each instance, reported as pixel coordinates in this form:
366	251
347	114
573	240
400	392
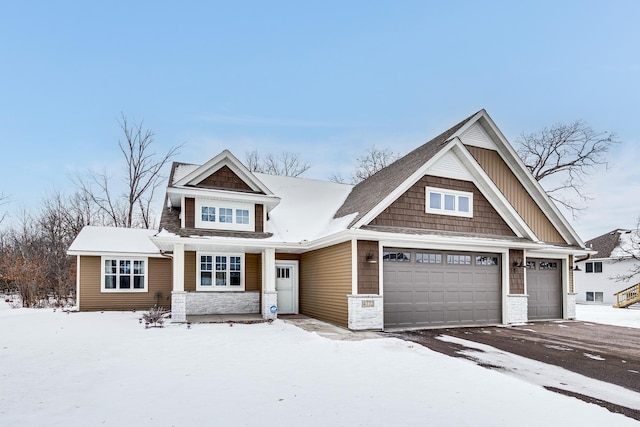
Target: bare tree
564	155
286	164
143	176
3	201
628	249
371	162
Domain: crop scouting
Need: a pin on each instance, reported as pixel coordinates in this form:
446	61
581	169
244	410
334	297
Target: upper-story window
593	267
221	215
449	202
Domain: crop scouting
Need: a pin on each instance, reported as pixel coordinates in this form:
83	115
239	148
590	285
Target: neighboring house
596	281
457	232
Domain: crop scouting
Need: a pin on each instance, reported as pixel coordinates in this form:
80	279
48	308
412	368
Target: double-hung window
123	275
220	272
449	202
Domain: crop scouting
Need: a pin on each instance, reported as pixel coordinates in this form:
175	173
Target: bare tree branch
566	154
371	162
286	164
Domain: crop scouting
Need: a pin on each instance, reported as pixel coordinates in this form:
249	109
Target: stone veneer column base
365	312
269	299
517	309
571	306
178	307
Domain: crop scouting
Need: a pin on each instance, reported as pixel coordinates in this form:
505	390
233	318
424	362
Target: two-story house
457	232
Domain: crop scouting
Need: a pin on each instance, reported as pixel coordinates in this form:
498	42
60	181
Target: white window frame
593	264
445	192
213	287
222	204
118	259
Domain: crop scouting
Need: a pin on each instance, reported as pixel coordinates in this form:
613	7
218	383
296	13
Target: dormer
221	195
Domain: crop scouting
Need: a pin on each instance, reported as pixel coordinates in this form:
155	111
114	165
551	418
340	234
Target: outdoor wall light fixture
371	258
576	268
519	264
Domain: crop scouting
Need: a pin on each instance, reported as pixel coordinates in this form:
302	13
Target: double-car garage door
439	288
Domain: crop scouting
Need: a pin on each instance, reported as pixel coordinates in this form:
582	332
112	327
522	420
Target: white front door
287	288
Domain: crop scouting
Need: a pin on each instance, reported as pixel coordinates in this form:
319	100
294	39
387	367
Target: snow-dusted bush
154	317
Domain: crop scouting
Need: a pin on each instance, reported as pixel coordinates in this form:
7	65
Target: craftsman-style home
457	232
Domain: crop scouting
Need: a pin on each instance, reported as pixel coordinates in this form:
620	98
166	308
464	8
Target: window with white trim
449	202
123	275
220	272
593	267
224	215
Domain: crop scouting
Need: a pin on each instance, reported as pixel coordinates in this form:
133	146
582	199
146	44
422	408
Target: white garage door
431	289
544	287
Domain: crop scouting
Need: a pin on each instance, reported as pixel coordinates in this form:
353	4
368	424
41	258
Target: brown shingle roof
370	192
604	244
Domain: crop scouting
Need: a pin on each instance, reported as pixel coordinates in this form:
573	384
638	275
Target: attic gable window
449	202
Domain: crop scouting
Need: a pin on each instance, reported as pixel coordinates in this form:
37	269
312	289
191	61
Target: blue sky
325	79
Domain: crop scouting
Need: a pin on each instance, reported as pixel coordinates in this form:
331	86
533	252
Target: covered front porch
215	282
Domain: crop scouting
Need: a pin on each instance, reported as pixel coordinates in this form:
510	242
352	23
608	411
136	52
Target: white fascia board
492	193
400	190
270	200
119	254
486	187
226	158
517	166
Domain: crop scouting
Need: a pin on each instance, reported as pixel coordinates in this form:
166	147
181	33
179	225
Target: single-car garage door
544	287
437	288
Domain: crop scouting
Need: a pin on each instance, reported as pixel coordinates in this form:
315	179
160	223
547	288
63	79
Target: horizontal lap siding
325	282
92	299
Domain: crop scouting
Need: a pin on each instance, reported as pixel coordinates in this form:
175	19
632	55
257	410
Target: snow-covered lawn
86	369
608	315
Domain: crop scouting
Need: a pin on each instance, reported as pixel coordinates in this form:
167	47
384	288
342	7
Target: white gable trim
223	159
479	178
533	187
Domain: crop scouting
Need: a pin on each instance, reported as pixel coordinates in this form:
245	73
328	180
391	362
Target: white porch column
178	295
178	267
269	294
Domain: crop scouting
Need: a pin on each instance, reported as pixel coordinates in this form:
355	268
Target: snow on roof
182	170
93	239
628	244
306	208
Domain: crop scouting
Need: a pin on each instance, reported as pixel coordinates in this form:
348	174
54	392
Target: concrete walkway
307	323
328	330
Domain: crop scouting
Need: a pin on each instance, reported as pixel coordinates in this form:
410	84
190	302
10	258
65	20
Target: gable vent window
449	202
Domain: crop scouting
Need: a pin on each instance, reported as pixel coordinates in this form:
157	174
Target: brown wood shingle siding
515	193
368	273
224	179
325	282
409	210
516	274
189	212
189	271
92	299
259	218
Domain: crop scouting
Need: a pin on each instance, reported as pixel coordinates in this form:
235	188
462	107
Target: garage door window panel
428	258
459	259
396	256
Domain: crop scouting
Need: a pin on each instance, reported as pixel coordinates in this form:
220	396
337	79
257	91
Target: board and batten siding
92	299
325	282
516	194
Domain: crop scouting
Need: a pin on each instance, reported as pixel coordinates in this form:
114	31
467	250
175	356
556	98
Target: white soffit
476	136
450	166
